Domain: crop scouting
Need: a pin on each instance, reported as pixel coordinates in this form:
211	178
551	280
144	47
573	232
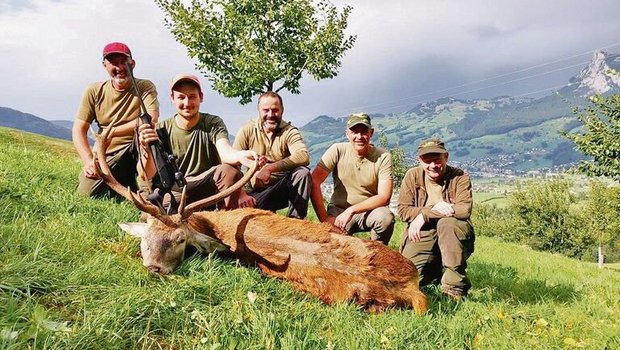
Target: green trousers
123	167
442	252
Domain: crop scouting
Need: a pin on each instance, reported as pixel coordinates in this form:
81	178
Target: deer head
163	238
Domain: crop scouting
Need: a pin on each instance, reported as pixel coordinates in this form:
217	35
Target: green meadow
70	279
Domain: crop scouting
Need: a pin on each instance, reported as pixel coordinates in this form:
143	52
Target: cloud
405	51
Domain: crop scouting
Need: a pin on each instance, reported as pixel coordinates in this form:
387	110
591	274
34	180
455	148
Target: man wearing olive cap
363	183
113	101
435	200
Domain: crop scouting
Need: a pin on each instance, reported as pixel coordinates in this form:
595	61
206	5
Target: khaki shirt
355	178
104	105
195	148
286	148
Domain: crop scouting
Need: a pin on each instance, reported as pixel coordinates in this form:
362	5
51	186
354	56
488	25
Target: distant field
490	198
615	266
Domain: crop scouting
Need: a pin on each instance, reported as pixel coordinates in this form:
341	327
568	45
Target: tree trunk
601	258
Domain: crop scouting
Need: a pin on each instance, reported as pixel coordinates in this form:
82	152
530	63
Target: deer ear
136	229
206	244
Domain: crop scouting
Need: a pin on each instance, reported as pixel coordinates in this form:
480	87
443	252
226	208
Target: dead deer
312	256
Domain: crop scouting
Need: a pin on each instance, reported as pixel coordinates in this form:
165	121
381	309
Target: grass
70	279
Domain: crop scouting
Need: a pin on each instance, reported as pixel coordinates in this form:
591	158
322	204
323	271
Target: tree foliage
246	47
399	161
600	137
550	215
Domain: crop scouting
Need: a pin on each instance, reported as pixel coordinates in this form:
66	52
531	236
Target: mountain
23	121
502	135
68	124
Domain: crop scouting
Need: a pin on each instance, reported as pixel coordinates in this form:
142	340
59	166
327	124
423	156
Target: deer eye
182	240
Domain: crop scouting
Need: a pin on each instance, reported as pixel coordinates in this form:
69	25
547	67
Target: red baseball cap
116	47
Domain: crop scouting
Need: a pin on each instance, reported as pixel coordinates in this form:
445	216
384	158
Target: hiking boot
453	294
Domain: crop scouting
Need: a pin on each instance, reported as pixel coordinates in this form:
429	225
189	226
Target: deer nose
155	269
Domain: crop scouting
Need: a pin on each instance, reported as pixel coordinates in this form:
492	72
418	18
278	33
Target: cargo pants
442	253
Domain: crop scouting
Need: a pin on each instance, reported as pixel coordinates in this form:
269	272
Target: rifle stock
165	162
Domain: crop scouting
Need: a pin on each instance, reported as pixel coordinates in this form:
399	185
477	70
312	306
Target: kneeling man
436	201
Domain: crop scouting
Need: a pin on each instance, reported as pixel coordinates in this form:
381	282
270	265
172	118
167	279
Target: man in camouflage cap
363	183
435	200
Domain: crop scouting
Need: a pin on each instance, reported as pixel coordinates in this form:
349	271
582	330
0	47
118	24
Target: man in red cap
112	102
200	143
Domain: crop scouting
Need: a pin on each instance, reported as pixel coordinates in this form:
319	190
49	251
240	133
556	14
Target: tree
399	162
600	137
246	47
603	209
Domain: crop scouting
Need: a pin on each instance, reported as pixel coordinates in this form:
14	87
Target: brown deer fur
331	266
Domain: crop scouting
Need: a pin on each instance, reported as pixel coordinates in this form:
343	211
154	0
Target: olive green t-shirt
355	178
104	105
195	148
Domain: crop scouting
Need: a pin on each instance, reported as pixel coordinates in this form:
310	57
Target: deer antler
103	170
186	211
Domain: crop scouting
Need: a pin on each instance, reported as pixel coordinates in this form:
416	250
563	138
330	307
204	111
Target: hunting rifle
165	162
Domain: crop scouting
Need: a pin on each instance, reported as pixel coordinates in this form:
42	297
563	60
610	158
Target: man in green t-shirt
363	183
435	200
200	143
112	102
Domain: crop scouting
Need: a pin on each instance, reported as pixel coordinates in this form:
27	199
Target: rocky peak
596	78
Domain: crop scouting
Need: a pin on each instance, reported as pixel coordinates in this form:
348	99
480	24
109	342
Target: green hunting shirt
355	178
195	148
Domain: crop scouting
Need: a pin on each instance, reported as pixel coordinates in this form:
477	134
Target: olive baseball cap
432	145
358	118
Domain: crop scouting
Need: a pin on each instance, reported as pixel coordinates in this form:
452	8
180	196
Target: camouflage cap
358	118
432	145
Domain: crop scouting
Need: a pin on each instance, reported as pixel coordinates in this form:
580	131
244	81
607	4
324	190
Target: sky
406	53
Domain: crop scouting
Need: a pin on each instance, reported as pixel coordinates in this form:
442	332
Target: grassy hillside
70	279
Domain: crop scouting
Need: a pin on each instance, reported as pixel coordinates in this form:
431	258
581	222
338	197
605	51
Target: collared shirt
286	147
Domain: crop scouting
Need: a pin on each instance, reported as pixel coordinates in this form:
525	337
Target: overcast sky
406	52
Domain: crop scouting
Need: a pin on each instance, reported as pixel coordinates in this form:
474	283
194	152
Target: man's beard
269	126
121	82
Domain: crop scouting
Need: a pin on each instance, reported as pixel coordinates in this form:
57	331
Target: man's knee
381	223
382	219
455	238
301	180
301	175
227	174
460	229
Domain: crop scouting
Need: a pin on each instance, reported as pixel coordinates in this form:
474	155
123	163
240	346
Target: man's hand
264	174
343	219
444	208
331	220
247	158
146	135
413	232
246	201
89	171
